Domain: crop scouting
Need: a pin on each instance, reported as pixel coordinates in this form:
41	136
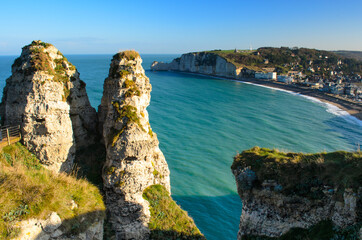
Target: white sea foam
329	107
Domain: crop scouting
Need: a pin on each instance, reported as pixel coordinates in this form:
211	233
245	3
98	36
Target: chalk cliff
202	63
134	160
281	192
47	98
53	228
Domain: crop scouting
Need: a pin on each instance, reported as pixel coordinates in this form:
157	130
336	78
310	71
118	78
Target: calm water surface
202	122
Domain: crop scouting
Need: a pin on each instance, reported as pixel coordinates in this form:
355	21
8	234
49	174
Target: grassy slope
27	190
286	59
235	58
168	220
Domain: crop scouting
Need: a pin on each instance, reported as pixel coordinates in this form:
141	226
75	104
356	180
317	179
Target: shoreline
353	109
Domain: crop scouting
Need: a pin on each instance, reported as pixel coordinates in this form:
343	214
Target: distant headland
332	77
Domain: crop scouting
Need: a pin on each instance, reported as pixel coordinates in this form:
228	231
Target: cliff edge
299	195
46	97
202	63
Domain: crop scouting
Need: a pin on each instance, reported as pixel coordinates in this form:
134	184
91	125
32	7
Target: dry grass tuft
128	54
27	190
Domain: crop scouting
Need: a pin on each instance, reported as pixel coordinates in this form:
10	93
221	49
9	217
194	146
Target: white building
285	79
268	75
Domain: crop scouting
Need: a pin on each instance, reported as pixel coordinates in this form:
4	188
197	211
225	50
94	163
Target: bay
202	122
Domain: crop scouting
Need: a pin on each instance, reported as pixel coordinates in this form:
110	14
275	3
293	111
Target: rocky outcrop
134	160
275	203
49	101
202	63
53	228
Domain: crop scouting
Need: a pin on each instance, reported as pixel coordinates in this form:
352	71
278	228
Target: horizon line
11	55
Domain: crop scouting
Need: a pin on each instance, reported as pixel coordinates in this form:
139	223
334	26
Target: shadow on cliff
89	163
84	223
173	235
208	212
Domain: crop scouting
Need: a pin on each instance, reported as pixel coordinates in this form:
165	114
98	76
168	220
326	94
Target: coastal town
325	75
344	86
324	71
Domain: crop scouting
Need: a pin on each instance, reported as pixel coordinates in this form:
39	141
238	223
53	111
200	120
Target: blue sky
173	26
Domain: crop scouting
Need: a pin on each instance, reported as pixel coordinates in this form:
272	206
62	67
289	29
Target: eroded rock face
203	63
49	101
267	212
52	228
134	160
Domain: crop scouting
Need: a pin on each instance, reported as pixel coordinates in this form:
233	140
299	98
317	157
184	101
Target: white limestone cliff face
53	228
269	213
134	160
49	101
202	63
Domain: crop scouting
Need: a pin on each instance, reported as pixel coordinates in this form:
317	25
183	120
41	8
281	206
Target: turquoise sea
202	122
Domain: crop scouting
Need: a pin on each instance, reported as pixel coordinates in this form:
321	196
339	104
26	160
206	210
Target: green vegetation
128	114
27	190
114	135
128	54
322	230
110	170
133	90
128	83
150	132
299	173
168	220
123	73
350	54
115	73
40	43
41	61
286	59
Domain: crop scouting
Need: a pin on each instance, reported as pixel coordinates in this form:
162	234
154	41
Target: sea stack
134	160
47	99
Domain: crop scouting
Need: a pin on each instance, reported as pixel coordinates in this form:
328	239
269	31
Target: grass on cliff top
233	58
41	61
27	190
168	220
298	172
128	54
322	230
242	52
